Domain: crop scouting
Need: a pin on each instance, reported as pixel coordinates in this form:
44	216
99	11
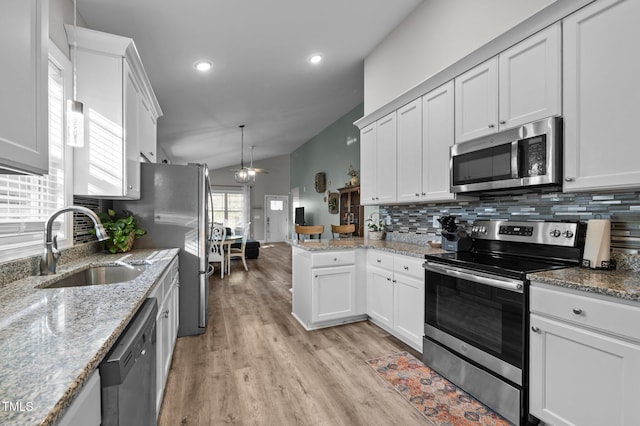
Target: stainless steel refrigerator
173	209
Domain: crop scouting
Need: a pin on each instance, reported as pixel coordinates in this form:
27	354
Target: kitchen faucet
51	254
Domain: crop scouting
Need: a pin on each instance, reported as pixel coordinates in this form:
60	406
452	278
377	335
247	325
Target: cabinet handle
395	281
130	186
166	314
335	259
378	260
406	268
491	126
503	122
535	329
569	179
151	153
424	193
315	276
577	311
417	194
388	279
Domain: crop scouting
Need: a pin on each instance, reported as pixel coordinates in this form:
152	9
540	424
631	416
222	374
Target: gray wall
331	152
276	182
60	13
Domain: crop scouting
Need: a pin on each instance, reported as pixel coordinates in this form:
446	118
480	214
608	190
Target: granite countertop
620	284
51	340
406	249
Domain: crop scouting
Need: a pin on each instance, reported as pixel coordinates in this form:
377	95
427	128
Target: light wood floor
256	365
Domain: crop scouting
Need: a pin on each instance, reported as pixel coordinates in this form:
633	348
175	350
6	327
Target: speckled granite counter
52	339
621	284
406	249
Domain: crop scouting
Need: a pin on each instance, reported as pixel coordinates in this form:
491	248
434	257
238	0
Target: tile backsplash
415	222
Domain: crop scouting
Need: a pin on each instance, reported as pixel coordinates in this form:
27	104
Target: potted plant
122	231
376	228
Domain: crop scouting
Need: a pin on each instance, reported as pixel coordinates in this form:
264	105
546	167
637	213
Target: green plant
122	231
375	225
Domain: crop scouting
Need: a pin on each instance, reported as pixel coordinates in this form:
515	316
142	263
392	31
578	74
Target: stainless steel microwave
525	156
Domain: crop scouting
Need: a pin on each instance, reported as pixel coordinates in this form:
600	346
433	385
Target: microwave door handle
515	163
476	277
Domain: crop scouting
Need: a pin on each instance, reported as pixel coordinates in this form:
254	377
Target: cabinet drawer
611	316
334	258
407	265
380	259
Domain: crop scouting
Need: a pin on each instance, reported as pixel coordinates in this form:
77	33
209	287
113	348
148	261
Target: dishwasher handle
134	342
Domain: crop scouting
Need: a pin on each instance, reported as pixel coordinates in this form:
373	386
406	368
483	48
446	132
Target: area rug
440	401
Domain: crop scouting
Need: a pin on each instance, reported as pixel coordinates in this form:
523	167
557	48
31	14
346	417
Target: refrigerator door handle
202	309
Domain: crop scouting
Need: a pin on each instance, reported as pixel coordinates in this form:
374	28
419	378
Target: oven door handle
477	277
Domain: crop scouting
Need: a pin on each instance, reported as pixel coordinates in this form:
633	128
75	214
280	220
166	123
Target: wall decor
320	182
333	202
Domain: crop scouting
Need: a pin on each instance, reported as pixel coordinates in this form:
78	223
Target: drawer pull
378	260
406	268
577	311
335	259
388	279
535	329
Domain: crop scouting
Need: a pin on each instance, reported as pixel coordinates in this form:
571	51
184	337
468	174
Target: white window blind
27	201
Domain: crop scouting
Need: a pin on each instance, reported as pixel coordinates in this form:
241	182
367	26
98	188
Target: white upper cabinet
520	85
120	112
601	91
409	151
437	138
24	136
378	161
476	103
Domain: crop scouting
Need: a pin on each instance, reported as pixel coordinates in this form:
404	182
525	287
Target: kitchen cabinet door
408	308
333	292
131	139
386	141
147	131
409	152
476	101
438	135
368	165
380	296
24	132
582	377
601	92
529	79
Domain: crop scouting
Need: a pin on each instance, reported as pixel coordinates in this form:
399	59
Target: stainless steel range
476	311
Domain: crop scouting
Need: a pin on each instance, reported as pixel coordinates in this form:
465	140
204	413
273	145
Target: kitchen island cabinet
584	357
328	287
24	121
601	92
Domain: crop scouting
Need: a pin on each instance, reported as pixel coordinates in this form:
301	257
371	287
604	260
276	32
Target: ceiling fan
243	174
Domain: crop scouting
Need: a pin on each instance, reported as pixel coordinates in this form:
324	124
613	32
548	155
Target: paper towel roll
597	244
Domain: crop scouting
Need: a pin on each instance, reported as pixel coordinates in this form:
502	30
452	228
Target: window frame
31	247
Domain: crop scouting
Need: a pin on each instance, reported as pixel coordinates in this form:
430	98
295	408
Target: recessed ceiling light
315	59
203	66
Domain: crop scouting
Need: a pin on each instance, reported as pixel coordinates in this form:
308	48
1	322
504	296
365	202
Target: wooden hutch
350	209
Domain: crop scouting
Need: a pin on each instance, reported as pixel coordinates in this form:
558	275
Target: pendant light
242	175
251	171
75	109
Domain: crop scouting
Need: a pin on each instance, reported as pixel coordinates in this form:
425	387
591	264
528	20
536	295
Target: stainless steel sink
98	275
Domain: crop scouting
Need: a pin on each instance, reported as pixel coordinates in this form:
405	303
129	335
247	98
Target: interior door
276	217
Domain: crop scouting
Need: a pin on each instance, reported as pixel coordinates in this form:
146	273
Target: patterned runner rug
440	401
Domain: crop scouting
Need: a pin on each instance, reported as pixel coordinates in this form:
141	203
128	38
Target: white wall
435	35
60	13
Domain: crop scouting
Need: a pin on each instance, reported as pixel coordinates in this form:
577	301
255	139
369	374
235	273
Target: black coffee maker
454	237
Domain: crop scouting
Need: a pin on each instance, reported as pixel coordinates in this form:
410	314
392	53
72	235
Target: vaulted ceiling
260	77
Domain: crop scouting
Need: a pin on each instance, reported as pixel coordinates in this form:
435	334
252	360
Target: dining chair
239	253
310	230
216	253
343	230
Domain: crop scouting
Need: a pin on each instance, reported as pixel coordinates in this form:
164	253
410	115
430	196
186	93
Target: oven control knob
568	234
555	233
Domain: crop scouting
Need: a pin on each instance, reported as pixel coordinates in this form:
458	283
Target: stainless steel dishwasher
128	372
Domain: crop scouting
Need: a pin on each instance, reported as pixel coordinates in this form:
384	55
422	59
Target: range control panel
551	233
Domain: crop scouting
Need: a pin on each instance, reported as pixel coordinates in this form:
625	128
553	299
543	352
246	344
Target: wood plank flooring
256	365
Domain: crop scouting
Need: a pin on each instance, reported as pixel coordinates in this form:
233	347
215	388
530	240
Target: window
230	207
27	201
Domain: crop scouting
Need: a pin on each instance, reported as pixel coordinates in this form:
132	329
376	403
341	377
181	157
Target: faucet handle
55	251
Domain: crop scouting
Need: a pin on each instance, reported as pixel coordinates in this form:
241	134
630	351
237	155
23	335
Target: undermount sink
97	275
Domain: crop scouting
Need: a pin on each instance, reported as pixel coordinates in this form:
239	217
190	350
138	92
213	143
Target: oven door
478	316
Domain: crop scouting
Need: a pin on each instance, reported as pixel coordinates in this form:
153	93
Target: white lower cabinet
584	358
167	294
86	407
328	287
395	295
